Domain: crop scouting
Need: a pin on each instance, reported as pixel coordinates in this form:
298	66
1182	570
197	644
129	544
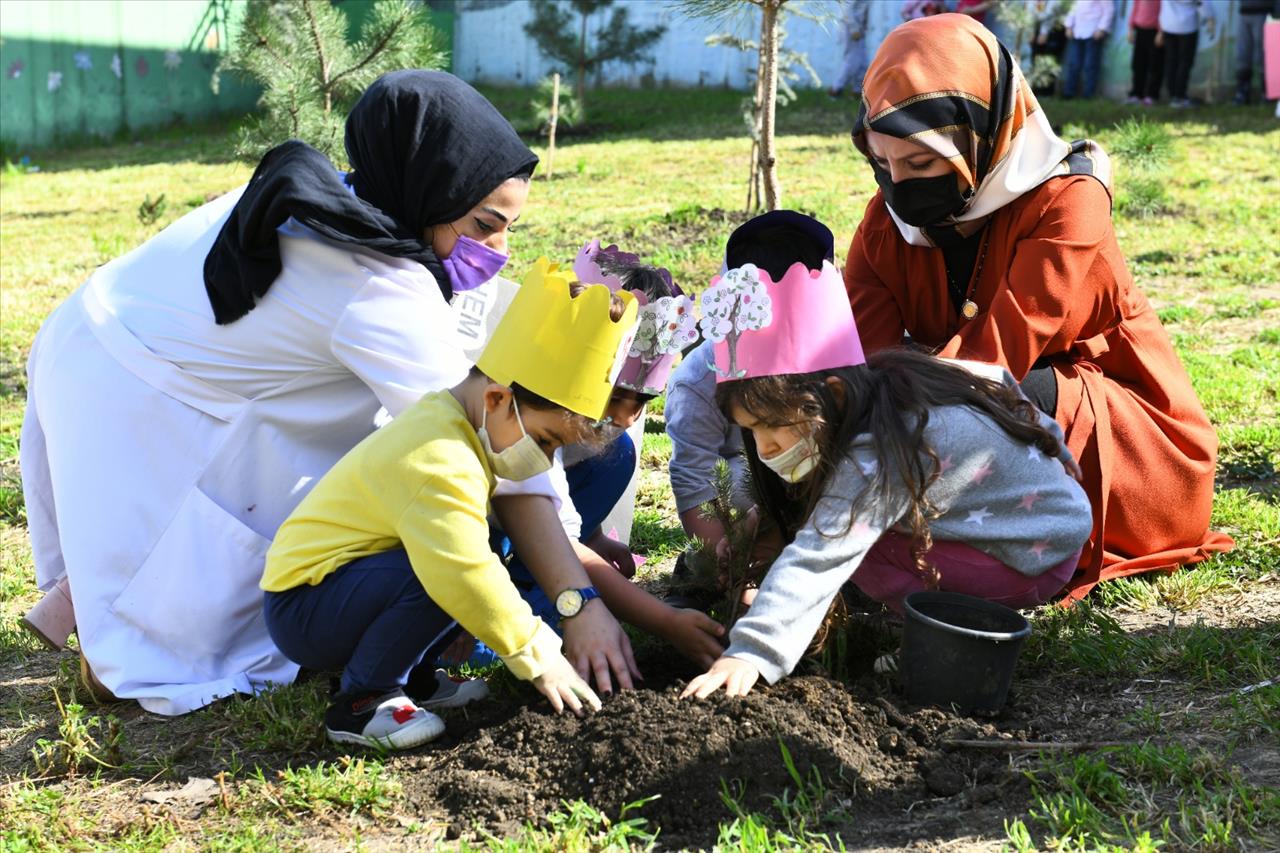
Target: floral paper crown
666	326
801	324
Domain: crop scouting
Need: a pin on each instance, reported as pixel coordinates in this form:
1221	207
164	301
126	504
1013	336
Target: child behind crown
900	472
388	557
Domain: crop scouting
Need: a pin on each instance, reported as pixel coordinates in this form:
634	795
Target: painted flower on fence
737	303
15	69
666	327
55	81
83	61
117	67
172	60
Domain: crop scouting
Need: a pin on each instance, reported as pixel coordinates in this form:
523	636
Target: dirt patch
876	761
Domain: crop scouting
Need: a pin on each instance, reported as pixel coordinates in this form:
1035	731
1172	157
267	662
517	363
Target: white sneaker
453	691
386	720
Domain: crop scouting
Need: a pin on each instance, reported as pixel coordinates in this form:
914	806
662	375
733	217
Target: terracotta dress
1053	289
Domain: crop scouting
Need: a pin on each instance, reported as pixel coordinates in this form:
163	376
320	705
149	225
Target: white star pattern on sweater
978	515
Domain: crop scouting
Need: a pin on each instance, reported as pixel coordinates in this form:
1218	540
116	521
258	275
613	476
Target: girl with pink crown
900	472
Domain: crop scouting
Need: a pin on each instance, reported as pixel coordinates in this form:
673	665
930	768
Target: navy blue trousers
371	619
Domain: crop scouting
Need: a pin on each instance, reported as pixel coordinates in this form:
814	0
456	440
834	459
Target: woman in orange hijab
991	239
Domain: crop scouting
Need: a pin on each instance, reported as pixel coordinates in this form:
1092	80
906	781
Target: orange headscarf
947	84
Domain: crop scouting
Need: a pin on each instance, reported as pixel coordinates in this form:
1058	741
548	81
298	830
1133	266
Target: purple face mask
472	263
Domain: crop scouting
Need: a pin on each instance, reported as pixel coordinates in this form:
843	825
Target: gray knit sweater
996	494
701	435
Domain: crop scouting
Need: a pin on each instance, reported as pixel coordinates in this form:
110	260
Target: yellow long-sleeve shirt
422	481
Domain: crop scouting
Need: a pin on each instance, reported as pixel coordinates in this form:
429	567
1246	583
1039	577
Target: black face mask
922	201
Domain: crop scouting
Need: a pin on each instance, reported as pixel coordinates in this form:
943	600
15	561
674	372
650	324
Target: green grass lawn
664	174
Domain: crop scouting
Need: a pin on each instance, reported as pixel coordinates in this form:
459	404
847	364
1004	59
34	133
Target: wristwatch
569	602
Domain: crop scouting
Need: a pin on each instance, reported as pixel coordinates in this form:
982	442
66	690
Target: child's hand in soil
737	676
696	636
614	553
562	686
596	644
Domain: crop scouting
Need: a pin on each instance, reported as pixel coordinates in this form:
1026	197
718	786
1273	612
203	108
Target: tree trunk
582	62
769	87
551	123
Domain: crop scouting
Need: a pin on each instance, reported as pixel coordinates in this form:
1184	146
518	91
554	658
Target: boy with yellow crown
388	557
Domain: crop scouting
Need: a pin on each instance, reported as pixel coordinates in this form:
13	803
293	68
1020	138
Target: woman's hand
1159	42
562	686
736	675
614	553
696	636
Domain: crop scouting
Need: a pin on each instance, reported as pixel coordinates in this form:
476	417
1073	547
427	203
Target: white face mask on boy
797	461
520	461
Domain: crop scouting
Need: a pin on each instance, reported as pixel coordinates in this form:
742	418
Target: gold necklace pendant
969	309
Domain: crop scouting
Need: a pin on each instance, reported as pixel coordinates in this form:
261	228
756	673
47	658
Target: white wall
490	45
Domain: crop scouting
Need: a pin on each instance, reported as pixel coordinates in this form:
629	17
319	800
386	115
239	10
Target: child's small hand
562	686
459	651
615	554
696	636
736	675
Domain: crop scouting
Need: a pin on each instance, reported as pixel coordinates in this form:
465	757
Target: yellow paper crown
561	347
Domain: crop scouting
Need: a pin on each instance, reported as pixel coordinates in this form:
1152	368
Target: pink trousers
888	574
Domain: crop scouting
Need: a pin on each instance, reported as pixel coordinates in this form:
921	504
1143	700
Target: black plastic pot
959	651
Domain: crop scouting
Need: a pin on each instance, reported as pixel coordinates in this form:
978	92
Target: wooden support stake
551	123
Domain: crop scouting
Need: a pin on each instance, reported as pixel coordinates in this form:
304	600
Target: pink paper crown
760	327
665	327
588	271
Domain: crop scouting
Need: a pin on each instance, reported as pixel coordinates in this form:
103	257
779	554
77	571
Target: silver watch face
568	603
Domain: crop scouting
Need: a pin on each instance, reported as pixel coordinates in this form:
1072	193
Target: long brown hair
890	398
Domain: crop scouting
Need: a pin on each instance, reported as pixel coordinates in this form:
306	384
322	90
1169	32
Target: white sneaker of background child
451	691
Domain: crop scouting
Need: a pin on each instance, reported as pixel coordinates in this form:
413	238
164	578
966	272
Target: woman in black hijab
184	399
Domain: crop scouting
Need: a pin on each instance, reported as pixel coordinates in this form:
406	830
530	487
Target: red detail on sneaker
361	705
404	713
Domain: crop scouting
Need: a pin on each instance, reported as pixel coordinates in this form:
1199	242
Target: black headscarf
424	149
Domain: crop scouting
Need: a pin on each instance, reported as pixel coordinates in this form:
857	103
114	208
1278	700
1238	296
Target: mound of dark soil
518	762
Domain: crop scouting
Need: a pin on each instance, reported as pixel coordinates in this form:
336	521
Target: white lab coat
160	451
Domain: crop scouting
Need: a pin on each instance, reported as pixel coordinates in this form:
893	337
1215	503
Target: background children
902	472
1148	58
1252	16
594	479
1049	39
1179	35
389	553
1087	25
853	34
700	433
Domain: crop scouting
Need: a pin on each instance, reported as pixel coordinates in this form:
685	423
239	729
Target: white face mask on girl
796	462
520	461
